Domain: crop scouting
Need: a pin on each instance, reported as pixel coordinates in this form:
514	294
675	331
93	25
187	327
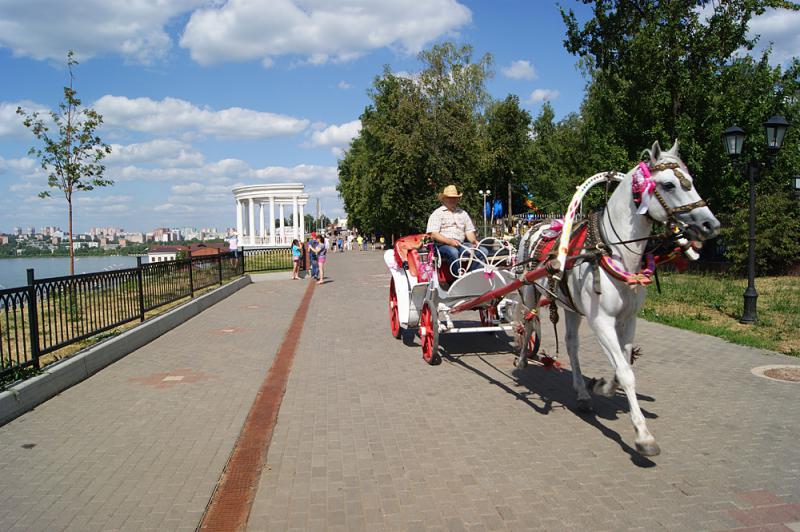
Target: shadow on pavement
552	386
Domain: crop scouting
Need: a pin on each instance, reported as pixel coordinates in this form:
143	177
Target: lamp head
733	141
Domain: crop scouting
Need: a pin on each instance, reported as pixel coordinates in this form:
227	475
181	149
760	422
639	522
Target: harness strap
677	210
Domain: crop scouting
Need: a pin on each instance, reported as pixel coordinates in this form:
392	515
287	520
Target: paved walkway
369	437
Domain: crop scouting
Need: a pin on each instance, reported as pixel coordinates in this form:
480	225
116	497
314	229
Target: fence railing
260	259
49	314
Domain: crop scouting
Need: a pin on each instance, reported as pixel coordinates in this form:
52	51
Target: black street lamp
733	140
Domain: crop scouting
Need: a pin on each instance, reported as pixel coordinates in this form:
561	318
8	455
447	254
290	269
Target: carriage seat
409	252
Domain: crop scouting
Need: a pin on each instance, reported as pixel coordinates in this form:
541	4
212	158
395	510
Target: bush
777	230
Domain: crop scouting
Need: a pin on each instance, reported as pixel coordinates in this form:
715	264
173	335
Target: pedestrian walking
360	242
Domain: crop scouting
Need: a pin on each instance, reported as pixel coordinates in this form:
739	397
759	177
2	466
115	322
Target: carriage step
496	328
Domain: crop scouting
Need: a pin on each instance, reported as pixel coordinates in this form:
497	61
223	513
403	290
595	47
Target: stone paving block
122	440
369	437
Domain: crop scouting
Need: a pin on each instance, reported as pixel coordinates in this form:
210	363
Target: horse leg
605	328
572	323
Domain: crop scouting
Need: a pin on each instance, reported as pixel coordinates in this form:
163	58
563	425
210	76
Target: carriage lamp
484	193
733	140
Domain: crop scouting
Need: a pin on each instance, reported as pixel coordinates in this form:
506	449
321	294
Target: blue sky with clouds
199	96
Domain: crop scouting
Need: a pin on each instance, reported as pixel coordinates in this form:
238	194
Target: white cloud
102	200
336	137
540	95
344	85
11	123
165	152
779	27
172	115
174	208
243	30
520	69
304	173
44	29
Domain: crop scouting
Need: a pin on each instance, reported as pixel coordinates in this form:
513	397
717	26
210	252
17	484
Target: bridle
685	185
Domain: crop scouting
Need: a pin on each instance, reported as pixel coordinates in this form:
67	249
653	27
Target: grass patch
712	304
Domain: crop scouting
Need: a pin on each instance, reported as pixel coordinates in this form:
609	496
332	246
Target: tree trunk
71	247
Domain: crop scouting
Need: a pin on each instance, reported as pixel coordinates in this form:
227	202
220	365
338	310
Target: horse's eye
668	186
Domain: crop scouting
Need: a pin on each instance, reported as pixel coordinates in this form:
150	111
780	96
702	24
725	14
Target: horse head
677	200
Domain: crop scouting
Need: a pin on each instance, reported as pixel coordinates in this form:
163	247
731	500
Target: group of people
317	254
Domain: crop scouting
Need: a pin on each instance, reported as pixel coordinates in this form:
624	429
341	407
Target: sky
200	96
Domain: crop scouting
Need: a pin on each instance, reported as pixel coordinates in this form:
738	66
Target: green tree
72	157
507	139
418	134
664	70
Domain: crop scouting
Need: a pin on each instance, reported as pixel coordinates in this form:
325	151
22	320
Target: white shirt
450	224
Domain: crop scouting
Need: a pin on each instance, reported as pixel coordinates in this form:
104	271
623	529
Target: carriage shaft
529	277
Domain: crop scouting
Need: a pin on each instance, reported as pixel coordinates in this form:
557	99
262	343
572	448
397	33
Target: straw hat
450	191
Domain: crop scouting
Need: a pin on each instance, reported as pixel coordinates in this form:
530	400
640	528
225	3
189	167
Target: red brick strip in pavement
230	504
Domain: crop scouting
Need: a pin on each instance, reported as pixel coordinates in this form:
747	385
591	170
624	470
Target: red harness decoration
640	278
576	242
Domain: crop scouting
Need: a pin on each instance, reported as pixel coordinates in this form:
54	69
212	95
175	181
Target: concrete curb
62	375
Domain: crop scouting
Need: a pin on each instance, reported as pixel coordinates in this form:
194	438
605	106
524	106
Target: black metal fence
49	314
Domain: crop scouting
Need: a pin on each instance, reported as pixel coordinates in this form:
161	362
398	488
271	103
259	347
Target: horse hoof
585	406
648	449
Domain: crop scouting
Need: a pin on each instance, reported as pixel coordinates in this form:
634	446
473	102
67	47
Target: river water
13	271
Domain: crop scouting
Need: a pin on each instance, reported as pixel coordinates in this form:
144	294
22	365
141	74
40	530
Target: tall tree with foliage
666	69
72	157
418	135
507	139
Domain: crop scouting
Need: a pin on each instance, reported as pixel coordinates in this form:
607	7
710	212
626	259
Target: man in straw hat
451	228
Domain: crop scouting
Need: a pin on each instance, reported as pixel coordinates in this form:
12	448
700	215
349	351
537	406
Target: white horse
669	196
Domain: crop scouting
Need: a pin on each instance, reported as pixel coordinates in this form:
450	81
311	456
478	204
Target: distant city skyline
200	97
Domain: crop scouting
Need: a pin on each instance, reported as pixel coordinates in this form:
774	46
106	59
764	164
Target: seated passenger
451	228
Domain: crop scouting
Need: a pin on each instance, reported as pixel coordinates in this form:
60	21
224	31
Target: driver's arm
472	238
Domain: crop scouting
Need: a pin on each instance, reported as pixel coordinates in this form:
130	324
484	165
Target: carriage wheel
394	312
429	334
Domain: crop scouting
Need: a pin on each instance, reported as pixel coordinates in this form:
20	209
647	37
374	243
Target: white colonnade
262	197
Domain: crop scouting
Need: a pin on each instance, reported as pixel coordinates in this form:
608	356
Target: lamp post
733	140
484	193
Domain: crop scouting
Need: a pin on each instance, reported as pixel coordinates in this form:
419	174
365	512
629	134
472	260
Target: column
251	227
272	220
239	223
302	222
261	224
280	234
295	219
